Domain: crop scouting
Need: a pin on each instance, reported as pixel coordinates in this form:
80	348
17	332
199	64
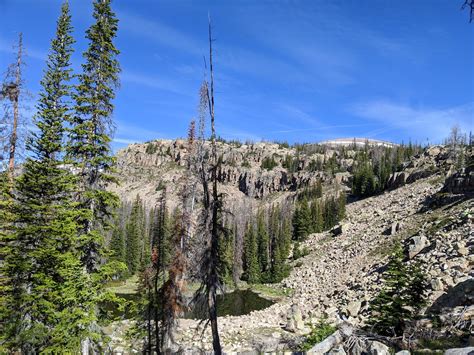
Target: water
236	303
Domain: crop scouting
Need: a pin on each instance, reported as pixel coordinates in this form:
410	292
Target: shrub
161	186
245	164
268	163
318	333
299	252
151	148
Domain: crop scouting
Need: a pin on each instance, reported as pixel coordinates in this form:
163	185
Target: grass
271	291
128	286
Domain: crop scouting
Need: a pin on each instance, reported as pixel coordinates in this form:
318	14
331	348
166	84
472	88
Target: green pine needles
53	273
401	298
45	306
91	124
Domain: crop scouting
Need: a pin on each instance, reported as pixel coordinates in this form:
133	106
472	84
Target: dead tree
11	91
211	219
173	288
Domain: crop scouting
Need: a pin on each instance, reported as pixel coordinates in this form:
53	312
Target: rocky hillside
430	213
260	171
343	272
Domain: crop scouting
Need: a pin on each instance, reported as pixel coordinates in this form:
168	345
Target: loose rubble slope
343	272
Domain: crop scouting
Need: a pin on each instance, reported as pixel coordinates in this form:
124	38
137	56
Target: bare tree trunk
16	96
214	277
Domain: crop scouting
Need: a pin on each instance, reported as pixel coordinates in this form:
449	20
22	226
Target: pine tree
44	303
341	206
317	216
226	253
134	237
302	221
282	250
401	297
251	265
89	140
263	243
117	243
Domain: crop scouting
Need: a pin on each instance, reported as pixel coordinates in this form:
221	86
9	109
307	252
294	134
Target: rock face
141	167
462	182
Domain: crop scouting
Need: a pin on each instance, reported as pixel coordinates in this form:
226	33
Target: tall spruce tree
89	145
89	151
251	265
45	311
134	236
263	243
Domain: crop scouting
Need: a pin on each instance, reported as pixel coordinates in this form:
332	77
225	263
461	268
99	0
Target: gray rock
295	319
353	308
460	351
436	284
338	350
418	243
377	348
403	352
395	227
327	344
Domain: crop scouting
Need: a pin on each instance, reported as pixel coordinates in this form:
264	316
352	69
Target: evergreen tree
117	244
400	299
302	221
45	308
263	243
341	206
134	237
282	250
160	235
251	264
89	140
226	253
317	216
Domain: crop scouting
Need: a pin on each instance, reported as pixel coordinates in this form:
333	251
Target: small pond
236	303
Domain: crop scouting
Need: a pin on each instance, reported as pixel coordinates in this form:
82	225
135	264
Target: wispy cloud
159	32
417	121
31	52
125	141
297	113
154	82
320	128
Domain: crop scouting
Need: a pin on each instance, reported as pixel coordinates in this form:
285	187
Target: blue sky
300	71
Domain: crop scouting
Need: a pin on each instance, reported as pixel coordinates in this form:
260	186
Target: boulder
327	344
436	284
417	244
295	320
338	350
460	351
395	227
403	352
353	308
377	348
